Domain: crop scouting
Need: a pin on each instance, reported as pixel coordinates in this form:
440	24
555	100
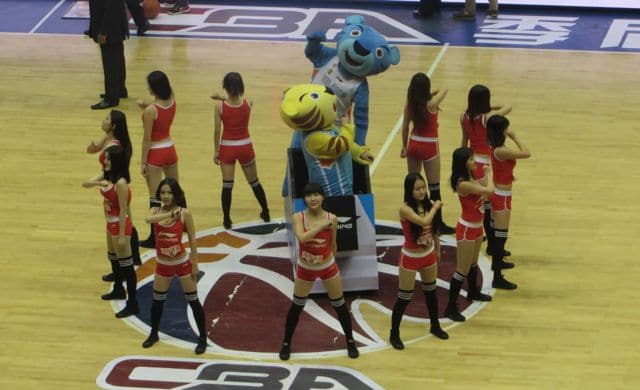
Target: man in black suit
109	28
427	8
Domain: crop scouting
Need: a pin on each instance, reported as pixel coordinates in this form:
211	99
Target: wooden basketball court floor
572	323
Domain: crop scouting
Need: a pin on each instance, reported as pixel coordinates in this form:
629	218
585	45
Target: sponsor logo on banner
145	372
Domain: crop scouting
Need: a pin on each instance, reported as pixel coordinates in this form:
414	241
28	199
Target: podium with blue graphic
356	235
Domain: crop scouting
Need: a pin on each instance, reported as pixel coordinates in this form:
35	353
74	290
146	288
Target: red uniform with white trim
101	155
502	175
469	226
476	131
422	252
423	141
316	259
172	258
162	154
235	142
112	210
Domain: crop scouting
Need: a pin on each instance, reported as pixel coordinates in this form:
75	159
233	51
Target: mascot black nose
360	50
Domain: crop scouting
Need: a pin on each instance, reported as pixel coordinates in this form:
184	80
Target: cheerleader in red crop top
421	147
420	253
171	220
315	229
474	134
116	132
232	143
159	157
503	161
114	187
469	229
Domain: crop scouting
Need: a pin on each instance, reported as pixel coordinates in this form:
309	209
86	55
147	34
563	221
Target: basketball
151	8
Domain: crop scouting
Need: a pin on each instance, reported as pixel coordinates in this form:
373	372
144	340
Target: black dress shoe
502	283
438	332
453	314
114	294
103	104
108	277
143	29
87	33
128	310
395	341
202	346
478	296
352	350
505	252
285	351
152	339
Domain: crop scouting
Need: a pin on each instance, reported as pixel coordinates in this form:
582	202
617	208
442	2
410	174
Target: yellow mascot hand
359	153
325	145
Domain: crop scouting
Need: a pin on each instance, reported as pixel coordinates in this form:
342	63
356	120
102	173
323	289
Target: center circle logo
247	289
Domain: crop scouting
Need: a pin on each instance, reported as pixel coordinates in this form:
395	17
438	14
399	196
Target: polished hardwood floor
570	324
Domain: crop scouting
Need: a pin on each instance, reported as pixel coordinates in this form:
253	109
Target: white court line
396	128
46	16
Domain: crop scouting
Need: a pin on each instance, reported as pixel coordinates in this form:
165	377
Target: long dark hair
478	101
159	84
496	125
409	184
232	83
119	164
418	94
121	131
176	190
459	170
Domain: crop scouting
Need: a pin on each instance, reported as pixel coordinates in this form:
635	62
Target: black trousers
135	9
427	7
114	70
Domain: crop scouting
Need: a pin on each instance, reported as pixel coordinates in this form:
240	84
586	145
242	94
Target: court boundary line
44	19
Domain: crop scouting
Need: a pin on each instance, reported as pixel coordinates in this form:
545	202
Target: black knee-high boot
126	268
227	188
489	231
434	194
150	242
156	313
258	191
290	325
135	247
473	292
403	300
452	311
431	299
117	292
340	307
198	315
498	259
110	276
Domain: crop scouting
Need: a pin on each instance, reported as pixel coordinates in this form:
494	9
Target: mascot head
308	107
362	50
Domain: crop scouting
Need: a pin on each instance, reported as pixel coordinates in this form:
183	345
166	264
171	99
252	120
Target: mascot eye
379	53
355	33
314	96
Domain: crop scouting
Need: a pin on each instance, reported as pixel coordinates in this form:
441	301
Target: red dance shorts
468	231
113	226
481	162
500	201
240	150
422	148
411	263
181	268
162	155
310	275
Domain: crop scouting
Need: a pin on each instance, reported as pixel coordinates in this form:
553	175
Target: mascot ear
395	55
354	19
